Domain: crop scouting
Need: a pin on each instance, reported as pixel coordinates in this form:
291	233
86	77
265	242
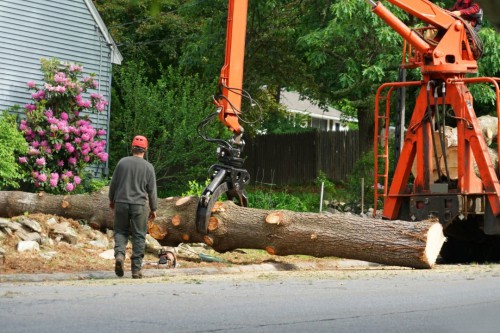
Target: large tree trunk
401	243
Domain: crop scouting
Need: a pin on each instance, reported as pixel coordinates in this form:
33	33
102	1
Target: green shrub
12	143
297	202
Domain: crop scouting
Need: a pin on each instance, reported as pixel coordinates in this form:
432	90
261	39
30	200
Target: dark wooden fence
298	158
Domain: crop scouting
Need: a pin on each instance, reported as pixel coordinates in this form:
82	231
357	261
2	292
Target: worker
133	185
470	11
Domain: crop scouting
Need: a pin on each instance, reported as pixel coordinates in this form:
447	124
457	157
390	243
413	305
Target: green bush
282	199
12	143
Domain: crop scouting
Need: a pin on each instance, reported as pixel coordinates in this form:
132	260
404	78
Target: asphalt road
445	299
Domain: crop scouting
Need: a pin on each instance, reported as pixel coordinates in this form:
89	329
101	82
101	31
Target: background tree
337	52
167	111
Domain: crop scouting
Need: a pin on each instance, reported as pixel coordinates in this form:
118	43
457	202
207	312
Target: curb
148	273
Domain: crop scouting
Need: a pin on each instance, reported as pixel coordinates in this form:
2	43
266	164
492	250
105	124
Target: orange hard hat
140	141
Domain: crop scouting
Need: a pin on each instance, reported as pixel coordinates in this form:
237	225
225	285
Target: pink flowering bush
62	141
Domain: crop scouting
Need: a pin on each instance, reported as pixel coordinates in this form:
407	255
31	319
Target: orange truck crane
444	58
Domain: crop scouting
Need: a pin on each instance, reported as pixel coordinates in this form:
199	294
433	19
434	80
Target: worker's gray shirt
134	182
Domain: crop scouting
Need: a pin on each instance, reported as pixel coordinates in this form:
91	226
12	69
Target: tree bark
399	243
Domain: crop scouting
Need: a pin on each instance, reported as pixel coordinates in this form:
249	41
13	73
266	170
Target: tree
167	111
401	243
148	31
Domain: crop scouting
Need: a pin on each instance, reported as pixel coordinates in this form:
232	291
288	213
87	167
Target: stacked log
489	128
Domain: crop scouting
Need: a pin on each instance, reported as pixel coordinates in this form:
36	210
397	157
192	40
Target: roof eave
116	56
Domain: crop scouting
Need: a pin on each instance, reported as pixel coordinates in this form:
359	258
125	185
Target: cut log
396	243
489	128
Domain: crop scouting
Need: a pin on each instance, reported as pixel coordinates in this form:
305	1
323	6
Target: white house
326	120
69	30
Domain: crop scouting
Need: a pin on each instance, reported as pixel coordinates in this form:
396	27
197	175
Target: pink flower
33	151
54	175
23	159
40	161
23	126
101	132
42	177
75	68
60	77
69	147
60	89
64	116
72	160
53	182
70	187
60	163
31	84
30	107
48	113
103	157
77	180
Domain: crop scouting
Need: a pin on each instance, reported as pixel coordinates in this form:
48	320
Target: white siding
35	29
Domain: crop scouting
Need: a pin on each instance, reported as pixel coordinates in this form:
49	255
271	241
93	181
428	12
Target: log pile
396	243
489	128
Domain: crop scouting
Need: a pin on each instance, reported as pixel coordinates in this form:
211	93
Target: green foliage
166	111
362	174
149	31
12	143
298	202
195	188
91	184
329	188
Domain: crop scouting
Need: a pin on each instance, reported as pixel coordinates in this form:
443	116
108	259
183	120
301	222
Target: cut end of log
185	237
176	220
213	223
208	240
274	218
435	240
156	231
182	201
218	207
271	250
314	237
64	204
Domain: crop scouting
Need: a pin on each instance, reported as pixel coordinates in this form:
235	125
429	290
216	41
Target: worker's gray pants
131	220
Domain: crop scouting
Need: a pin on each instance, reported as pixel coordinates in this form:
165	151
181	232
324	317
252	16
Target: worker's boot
119	265
136	274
